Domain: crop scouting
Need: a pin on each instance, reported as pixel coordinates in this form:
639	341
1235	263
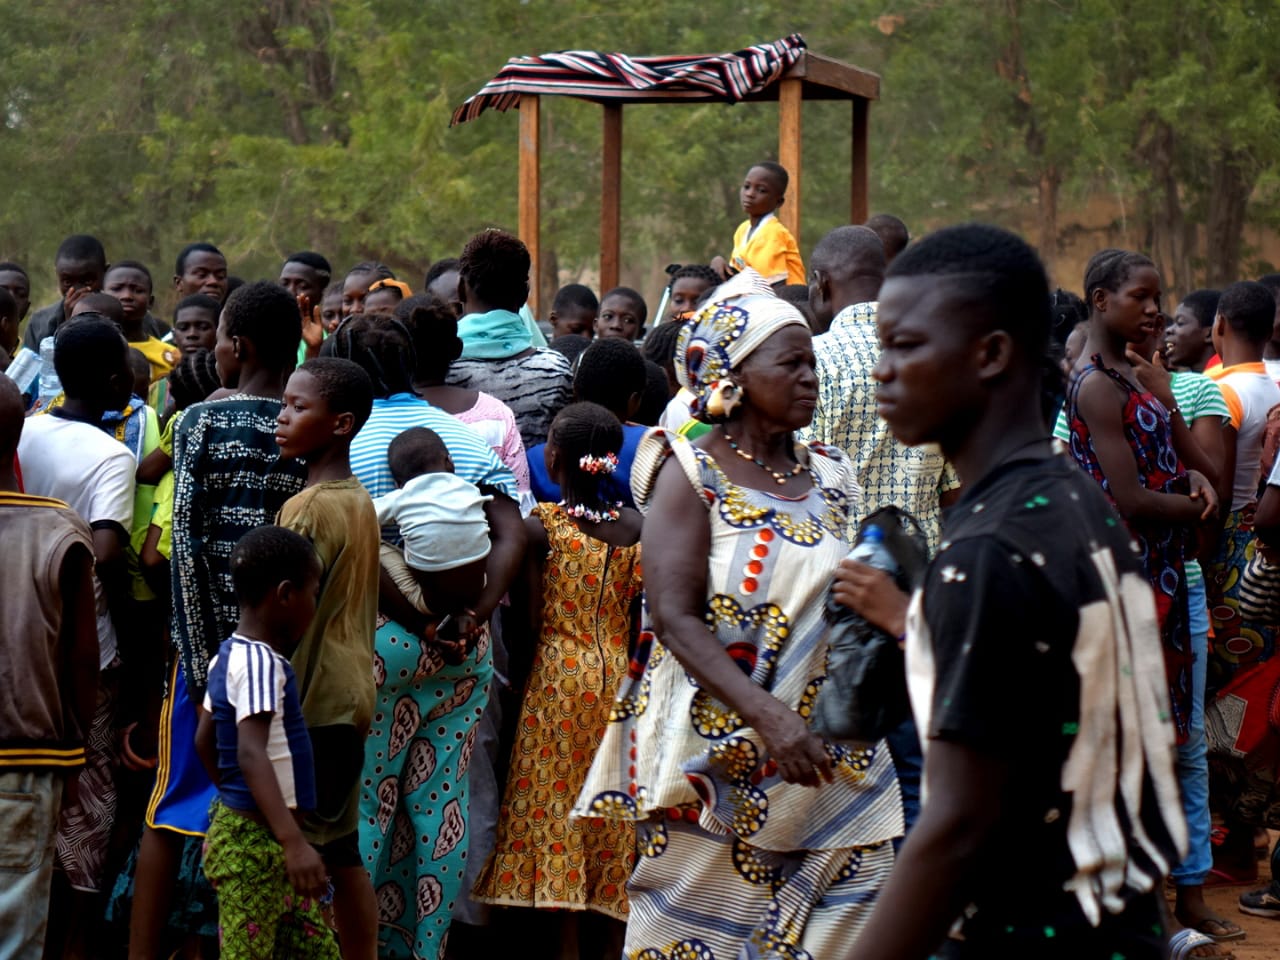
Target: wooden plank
611	198
530	189
821	71
790	105
860	167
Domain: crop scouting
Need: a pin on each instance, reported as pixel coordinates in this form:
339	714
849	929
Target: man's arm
927	889
79	638
508	537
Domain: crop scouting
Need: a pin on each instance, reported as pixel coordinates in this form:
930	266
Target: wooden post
859	205
530	189
611	198
790	100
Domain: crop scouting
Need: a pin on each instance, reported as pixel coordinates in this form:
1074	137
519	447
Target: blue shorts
182	794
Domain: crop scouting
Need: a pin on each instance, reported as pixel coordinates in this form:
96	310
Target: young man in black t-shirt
1051	811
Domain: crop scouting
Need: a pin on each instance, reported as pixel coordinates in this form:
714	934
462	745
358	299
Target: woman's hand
1153	375
873	595
720	266
1202	490
800	754
312	327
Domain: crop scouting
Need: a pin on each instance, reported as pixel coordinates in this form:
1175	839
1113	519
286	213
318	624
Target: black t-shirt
1035	639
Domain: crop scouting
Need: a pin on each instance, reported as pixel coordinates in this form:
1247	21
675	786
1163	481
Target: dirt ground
1263	940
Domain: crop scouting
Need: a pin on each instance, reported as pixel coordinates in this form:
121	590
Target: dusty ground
1263	940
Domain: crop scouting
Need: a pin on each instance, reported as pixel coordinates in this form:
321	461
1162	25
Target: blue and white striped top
473	458
248	678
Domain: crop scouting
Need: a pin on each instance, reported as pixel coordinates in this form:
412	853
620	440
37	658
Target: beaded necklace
778	477
581	512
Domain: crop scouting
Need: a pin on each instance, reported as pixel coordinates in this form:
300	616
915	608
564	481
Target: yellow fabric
542	857
143	503
162	514
162	356
771	251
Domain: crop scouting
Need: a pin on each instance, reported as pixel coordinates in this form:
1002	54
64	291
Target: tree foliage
273	125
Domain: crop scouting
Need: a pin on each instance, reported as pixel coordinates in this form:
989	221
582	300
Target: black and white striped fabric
593	75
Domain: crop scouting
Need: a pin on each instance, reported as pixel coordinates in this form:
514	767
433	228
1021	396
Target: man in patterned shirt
847	268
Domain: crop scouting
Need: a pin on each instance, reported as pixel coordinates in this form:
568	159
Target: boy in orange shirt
761	241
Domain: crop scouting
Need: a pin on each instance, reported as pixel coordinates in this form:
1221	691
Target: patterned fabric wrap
260	915
742	314
1162	546
415	795
84	827
616	77
542	857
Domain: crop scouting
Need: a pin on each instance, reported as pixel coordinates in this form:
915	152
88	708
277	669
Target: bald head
11	413
848	267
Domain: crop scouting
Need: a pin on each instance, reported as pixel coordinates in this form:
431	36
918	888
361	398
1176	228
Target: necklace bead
778	477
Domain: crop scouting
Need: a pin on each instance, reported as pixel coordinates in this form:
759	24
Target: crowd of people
347	620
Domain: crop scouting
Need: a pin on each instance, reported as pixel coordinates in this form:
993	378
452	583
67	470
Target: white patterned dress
732	861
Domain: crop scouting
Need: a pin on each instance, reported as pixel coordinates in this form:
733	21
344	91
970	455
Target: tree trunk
1231	183
1169	239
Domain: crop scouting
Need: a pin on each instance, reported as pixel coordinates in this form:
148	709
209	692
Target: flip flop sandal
1182	943
1237	933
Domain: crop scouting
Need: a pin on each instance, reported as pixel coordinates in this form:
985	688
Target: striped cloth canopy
617	77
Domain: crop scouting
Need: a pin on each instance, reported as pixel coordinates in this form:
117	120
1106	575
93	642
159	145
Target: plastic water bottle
870	549
50	385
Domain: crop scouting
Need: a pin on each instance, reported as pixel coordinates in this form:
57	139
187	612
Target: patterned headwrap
742	314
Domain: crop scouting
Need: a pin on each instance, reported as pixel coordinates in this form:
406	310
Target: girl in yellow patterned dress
584	582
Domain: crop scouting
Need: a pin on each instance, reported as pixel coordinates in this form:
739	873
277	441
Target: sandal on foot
1260	903
1226	929
1186	940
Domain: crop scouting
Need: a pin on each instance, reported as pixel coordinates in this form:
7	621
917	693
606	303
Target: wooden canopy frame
812	77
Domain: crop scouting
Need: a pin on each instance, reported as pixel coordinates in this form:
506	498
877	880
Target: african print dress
732	861
1162	547
543	858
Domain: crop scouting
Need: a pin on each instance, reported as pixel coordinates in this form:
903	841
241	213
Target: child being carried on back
446	537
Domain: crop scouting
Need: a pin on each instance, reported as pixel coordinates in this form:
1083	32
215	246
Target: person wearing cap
433	663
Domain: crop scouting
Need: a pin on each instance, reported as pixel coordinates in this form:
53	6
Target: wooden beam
860	172
790	105
530	190
823	71
611	198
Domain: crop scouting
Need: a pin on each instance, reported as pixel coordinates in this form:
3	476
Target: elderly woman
755	837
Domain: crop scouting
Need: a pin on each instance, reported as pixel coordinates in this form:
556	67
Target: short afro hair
1203	305
995	272
345	386
82	248
266	557
438	270
101	303
131	265
570	345
266	314
309	258
892	232
610	373
180	265
848	252
495	267
777	171
81	348
416	451
1249	309
575	296
8	266
201	301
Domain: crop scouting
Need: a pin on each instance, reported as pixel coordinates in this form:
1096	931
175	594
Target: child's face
354	290
78	275
224	355
133	289
759	193
305	424
619	317
572	320
17	285
331	311
204	272
302	281
381	303
195	328
685	294
141	380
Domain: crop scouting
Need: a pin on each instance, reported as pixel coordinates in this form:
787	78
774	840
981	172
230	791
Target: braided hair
1109	269
383	347
433	327
193	379
696	271
580	430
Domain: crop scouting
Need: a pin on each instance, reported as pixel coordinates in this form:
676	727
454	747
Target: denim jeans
908	762
29	805
1193	756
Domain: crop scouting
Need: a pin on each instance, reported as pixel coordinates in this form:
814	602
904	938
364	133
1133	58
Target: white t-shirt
93	473
1250	394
